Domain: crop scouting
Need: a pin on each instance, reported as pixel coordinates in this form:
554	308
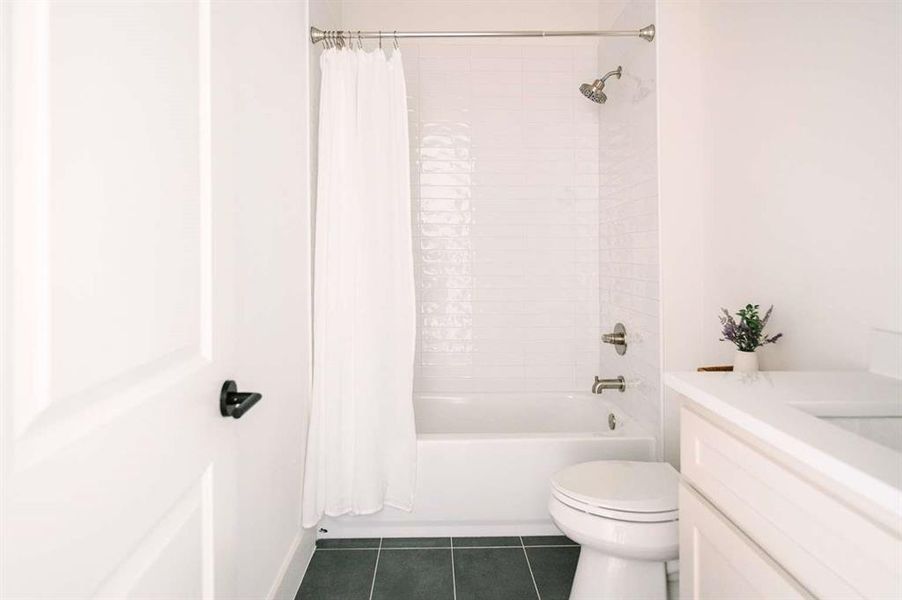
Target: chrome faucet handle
617	338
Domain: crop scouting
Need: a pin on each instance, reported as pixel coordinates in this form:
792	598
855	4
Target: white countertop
781	409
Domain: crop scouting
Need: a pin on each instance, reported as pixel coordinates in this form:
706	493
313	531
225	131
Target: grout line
451	547
343	549
453	576
376	569
502	547
531	575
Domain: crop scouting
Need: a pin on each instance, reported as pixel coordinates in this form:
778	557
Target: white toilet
624	515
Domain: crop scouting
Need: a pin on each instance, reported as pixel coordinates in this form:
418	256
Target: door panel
154	569
118	298
131	90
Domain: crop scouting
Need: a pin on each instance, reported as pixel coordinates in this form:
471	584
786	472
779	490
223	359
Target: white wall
780	176
437	15
510	234
324	14
293	114
505	194
505	200
628	216
267	62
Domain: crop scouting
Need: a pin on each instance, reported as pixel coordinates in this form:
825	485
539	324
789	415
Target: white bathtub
485	459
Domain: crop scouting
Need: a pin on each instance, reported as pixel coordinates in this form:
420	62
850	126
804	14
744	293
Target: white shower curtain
361	448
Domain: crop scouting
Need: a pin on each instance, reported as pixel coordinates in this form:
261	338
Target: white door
118	300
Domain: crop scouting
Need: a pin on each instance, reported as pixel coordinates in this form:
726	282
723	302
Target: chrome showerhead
594	91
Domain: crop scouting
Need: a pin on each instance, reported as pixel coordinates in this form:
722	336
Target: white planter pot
745	362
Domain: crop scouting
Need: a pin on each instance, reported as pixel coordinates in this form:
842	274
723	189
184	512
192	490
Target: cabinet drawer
718	561
830	548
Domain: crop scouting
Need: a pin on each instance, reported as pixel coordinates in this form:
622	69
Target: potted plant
748	335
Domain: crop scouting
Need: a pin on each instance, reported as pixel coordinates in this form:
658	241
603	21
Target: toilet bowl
624	515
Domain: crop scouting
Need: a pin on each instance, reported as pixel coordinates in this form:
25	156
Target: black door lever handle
233	403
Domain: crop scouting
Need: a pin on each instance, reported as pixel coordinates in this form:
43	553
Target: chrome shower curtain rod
318	35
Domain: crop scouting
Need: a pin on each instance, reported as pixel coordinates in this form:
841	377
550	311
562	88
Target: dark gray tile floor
467	568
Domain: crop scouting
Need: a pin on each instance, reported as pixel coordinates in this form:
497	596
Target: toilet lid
643	487
617	515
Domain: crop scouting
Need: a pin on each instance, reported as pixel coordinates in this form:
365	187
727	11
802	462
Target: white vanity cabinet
719	561
758	522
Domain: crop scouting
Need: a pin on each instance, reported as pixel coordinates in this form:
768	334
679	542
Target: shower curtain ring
359	40
397	47
380	39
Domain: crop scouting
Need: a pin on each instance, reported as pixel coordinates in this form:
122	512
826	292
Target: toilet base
600	576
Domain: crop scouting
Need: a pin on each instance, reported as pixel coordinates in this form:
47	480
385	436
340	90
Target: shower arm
616	72
318	35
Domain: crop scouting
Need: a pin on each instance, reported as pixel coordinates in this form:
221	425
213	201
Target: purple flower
748	334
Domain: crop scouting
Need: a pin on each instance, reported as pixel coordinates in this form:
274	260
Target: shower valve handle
617	338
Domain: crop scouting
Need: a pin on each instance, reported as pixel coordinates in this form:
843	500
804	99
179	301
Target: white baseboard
291	573
362	528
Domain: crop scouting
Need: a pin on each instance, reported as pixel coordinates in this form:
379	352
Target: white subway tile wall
505	154
628	219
